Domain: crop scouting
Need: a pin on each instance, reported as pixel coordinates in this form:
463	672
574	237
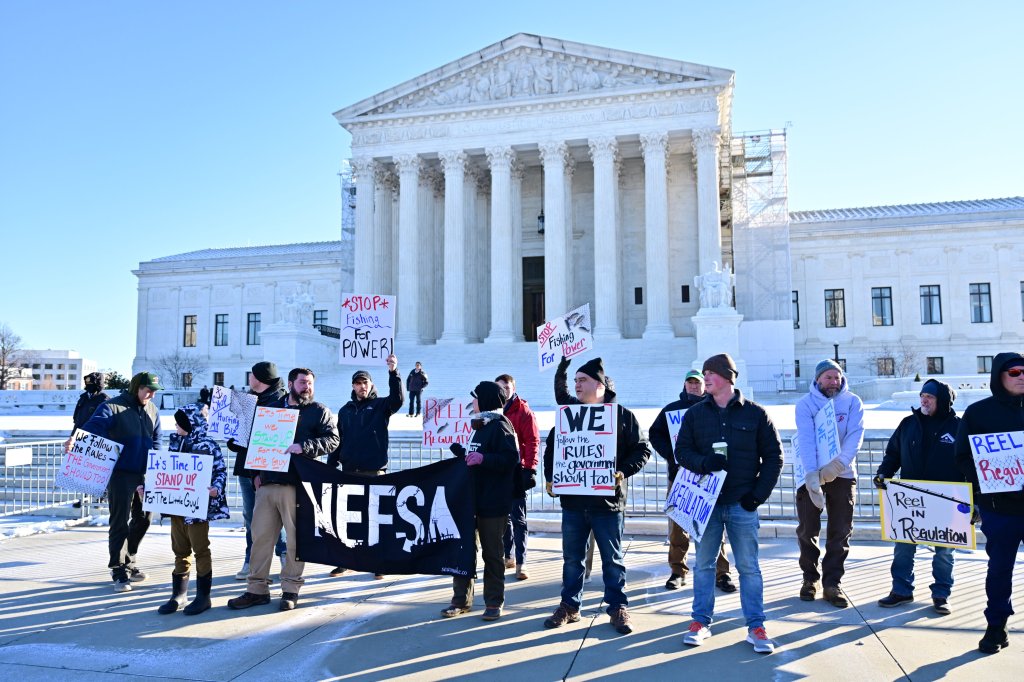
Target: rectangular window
186	379
247	375
934	365
188	335
796	309
685	293
886	367
638	295
984	364
220	330
319	317
60	366
881	306
835	308
72	376
48	366
796	369
931	304
252	331
981	302
218	378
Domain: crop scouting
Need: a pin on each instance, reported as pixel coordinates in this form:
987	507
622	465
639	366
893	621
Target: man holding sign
829	486
316	435
752	460
990	453
921	448
599	507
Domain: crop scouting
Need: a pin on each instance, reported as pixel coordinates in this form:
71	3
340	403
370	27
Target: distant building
57	370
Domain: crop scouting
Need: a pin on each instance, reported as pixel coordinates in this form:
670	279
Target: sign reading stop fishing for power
178	483
273	432
584	456
934	513
692	499
565	336
999	461
87	467
367	329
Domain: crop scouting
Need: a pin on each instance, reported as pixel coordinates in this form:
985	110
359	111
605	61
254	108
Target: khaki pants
274	509
186	539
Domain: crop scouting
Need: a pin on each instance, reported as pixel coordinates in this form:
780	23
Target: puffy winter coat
199	443
922	447
126	421
494	478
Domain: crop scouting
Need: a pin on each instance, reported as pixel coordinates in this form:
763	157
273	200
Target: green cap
694	374
149	380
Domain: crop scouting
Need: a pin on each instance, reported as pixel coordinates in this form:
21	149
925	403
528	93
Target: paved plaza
60	620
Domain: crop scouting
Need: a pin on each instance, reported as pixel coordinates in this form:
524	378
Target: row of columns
374	237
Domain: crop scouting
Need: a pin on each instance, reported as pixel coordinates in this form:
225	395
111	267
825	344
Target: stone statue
715	287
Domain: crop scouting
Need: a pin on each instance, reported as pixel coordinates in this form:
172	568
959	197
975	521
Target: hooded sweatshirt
1000	413
849	422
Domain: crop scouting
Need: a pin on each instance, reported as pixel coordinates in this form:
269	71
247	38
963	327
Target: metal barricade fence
29	488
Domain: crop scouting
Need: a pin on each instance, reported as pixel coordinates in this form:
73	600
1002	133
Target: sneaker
620	620
994	640
288	601
248	599
510	562
759	638
834	596
725	584
809	590
697	633
675	581
454	610
243	574
941	606
895	600
562	615
492	613
136	576
521	573
122	583
338	570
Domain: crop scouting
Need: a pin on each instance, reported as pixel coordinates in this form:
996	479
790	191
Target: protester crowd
719	430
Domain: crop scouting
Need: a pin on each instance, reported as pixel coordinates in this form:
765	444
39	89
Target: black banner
415	521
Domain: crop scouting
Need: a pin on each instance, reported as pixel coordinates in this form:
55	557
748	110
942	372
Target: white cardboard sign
826	433
178	483
585	444
675	421
446	421
367	329
231	414
692	499
273	431
565	336
999	461
934	513
87	467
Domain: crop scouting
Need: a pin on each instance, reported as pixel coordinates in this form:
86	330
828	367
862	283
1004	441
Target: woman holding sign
989	447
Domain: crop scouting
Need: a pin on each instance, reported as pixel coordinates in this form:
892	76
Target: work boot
995	639
895	600
809	590
835	597
620	620
288	601
179	590
675	581
725	583
202	600
248	599
562	615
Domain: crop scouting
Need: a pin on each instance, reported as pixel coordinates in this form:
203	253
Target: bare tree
12	355
901	359
176	365
908	360
882	358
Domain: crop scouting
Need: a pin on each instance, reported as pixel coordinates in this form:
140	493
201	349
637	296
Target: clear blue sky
134	130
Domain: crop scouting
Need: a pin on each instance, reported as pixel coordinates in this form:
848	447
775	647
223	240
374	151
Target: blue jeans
1004	534
607	528
516	531
248	502
742	527
903	570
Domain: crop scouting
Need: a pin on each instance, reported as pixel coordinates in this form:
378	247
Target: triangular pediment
528	67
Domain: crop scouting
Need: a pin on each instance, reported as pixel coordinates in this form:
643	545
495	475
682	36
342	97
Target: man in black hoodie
1002	514
92	398
921	448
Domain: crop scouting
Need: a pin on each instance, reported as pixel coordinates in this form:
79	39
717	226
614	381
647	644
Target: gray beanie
824	366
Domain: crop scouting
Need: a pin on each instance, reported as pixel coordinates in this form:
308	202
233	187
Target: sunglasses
1015	371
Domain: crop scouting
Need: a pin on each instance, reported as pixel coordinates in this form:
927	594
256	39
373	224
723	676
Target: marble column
603	152
408	327
363	176
502	253
709	221
382	230
554	156
654	147
470	260
454	165
516	257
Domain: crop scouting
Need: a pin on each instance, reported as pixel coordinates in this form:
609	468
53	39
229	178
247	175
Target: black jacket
363	428
661	438
87	404
755	451
272	396
416	381
493	479
921	448
316	431
1000	413
126	421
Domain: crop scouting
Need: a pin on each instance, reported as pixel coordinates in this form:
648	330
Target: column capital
518	170
362	168
408	163
653	143
705	140
603	149
452	159
570	166
553	152
500	158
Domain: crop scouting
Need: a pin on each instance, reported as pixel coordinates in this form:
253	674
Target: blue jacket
136	427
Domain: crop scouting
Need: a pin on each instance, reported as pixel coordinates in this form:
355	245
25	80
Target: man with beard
921	448
830	488
316	434
363	428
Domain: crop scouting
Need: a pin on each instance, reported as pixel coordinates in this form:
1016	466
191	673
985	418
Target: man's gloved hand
548	490
457	450
879	481
831	471
529	479
235	447
749	502
474	458
716	462
813	486
563	364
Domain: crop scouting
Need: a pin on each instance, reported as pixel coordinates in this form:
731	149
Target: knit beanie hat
265	372
594	369
182	420
489	396
824	366
361	375
722	365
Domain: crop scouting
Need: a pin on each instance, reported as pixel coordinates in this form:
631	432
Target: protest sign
565	336
231	414
446	421
87	467
826	445
413	521
584	456
675	420
999	461
692	498
273	430
178	483
367	329
927	513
